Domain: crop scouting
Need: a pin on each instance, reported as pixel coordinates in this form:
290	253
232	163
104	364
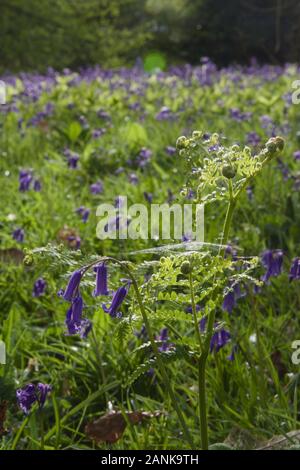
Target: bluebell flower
101	280
202	324
294	273
148	196
116	302
74	316
96	133
133	179
39	287
219	340
37	186
25	179
73	284
84	212
43	390
31	394
26	397
18	235
170	150
85	327
272	260
231	298
96	188
253	139
231	356
189	308
297	155
163	338
164	114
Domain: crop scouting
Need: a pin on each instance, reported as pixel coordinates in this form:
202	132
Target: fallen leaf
11	255
3	410
110	427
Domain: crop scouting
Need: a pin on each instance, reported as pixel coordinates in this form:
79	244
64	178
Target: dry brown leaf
11	255
3	410
110	427
68	236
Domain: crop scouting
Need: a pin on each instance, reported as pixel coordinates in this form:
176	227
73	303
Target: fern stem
160	363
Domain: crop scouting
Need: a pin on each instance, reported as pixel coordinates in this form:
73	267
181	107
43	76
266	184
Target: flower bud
186	267
279	141
182	142
228	171
271	145
196	134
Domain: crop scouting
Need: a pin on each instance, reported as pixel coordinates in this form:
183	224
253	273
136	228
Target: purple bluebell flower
170	150
25	179
163	338
37	186
231	356
294	273
18	235
74	316
31	394
189	308
285	171
85	328
202	324
219	340
97	133
96	188
231	298
39	287
142	333
74	241
297	155
144	157
26	397
73	161
272	260
148	196
253	139
84	212
133	179
101	280
73	285
164	114
43	390
84	122
116	302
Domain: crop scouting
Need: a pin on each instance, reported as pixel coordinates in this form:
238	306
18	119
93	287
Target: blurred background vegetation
36	34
